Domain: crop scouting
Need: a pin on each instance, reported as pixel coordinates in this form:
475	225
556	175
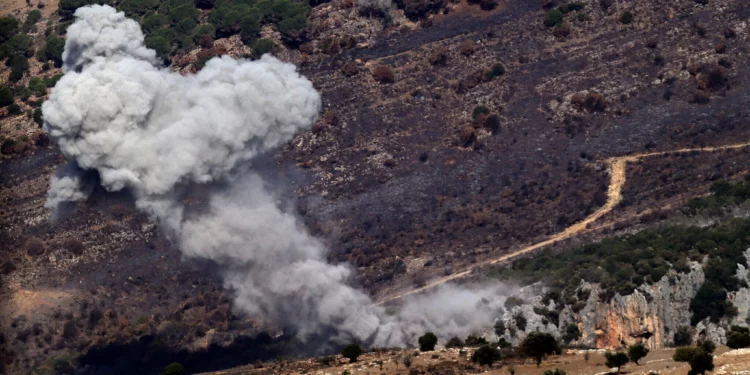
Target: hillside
456	142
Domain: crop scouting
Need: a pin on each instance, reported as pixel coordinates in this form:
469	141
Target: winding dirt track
616	166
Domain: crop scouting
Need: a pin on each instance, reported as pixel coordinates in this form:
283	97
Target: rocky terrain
428	159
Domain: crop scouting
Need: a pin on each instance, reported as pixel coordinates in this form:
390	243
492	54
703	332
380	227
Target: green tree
710	302
8	28
472	340
427	342
636	352
486	355
571	333
263	46
700	358
137	7
738	337
555	372
6	96
617	359
454	342
351	351
538	345
173	369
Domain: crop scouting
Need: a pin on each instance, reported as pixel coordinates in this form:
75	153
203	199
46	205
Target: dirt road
617	178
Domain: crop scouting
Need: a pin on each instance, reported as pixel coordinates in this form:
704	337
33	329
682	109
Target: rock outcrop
651	314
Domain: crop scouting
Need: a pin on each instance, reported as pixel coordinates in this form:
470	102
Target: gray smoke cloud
154	132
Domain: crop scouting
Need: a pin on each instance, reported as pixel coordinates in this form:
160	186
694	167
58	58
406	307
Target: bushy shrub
352	352
173	369
626	18
495	71
486	355
617	359
153	22
475	341
31	19
38	117
53	49
159	44
20	44
711	302
383	74
427	342
636	352
37	86
572	333
570	7
738	337
263	46
478	111
555	372
6	96
553	18
8	28
454	342
133	8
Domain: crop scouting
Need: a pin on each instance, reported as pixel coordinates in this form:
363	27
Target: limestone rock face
651	314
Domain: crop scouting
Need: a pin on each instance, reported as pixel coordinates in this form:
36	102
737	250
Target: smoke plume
154	132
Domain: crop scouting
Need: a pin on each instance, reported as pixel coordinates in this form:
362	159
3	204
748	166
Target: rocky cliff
651	314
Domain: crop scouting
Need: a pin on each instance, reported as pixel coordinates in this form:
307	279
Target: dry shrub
467	47
712	80
701	97
35	247
350	69
492	123
561	31
383	74
591	102
73	245
439	57
331	46
467	136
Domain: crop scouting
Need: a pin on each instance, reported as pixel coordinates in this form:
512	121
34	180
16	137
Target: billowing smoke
154	132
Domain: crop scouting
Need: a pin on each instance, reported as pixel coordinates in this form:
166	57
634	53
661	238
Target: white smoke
152	131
